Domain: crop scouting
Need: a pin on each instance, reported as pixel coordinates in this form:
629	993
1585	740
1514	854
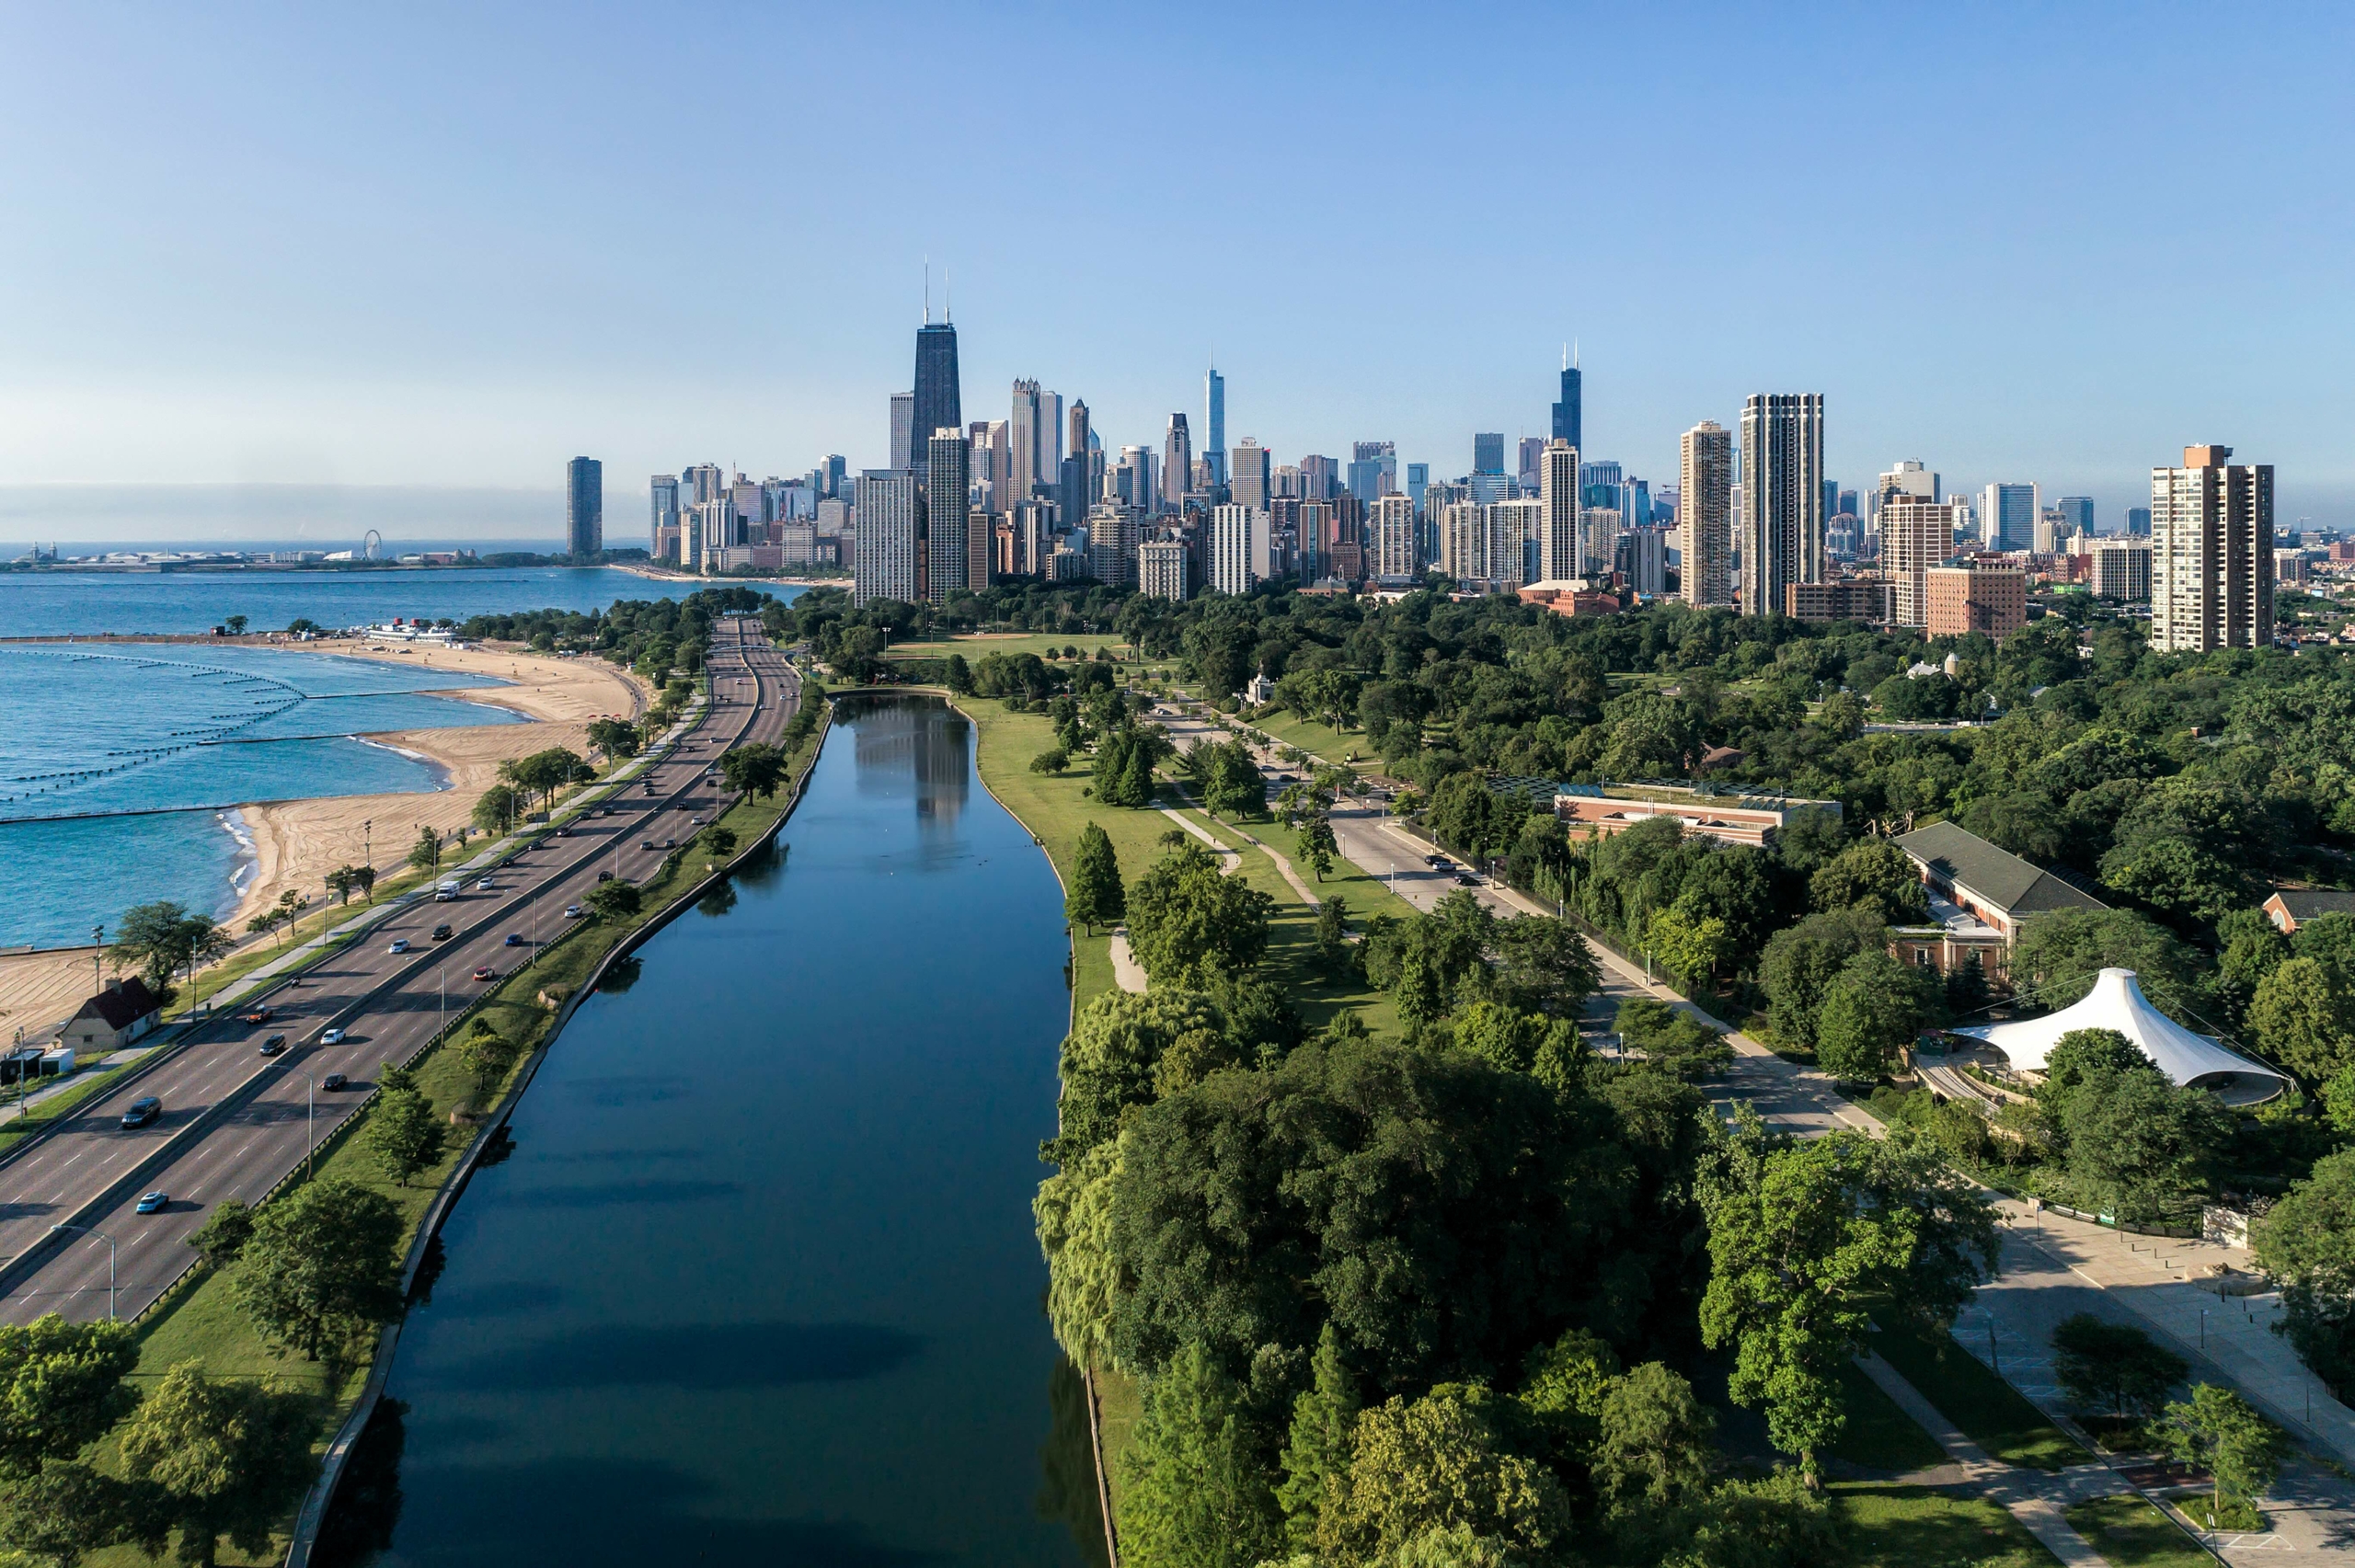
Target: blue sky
453	246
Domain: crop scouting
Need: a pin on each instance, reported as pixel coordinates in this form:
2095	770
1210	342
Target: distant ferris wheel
373	545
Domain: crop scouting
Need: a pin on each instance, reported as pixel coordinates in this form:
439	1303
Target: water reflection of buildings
919	741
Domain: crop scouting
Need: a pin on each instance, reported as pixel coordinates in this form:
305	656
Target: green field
1319	740
2132	1533
972	647
1879	1435
1987	1409
1913	1526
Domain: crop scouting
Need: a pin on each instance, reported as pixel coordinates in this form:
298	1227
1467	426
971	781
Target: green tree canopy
1186	921
1114	1050
1443	1462
1875	876
2304	1014
2307	1241
323	1268
404	1134
1192	1493
1097	897
1800	962
61	1388
232	1458
1872	1010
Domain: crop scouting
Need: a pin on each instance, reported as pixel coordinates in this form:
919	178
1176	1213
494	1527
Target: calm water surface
757	1282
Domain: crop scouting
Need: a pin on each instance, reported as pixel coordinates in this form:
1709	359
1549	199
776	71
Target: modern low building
2190	1060
1734	818
1577	596
1982	897
118	1015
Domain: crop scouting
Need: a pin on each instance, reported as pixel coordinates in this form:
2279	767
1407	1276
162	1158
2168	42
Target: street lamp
102	1236
368	856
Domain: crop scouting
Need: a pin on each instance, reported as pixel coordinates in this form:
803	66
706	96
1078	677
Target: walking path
2038	1499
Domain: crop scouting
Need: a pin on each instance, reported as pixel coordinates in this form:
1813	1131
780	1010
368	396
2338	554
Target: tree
1234	785
616	900
1655	1450
1802	1236
1317	845
67	1510
61	1388
718	842
341	882
1877	876
1053	760
426	853
488	1055
960	675
756	770
404	1134
1688	944
1186	921
323	1268
1800	962
163	938
1317	1451
496	809
1333	932
2307	1241
223	1233
1073	1211
1671	1039
2059	954
1097	896
264	924
2112	1364
2136	1144
236	624
1872	1010
2304	1014
363	877
2218	1431
1442	1463
1115	1054
1192	1493
231	1459
616	738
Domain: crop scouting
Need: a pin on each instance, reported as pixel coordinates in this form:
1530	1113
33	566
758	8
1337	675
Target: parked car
514	938
142	1111
443	932
333	1081
274	1045
152	1203
331	1037
400	945
485	972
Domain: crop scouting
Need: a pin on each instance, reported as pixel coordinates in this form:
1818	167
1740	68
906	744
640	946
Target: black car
274	1045
443	932
1465	879
605	877
646	843
333	1081
144	1109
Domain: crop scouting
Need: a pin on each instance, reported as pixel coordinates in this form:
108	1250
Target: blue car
150	1203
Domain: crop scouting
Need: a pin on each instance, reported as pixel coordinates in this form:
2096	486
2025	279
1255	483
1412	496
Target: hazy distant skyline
454	249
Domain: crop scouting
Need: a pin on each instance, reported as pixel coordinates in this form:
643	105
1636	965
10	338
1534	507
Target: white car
331	1037
400	945
572	911
486	886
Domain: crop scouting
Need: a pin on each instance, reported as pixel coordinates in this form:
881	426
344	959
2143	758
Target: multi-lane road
235	1122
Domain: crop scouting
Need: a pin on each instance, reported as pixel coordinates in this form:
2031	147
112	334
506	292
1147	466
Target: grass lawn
1319	740
2132	1533
1913	1526
975	644
1879	1434
1989	1411
1120	1403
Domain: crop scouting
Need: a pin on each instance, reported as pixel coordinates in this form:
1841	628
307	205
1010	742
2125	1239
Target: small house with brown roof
115	1017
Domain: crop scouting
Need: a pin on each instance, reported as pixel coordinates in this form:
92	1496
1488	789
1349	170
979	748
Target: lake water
49	604
756	1282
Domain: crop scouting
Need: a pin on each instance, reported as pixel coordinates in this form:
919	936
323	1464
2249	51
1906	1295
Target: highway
259	1116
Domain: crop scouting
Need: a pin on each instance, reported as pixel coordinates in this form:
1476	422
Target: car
333	1081
142	1111
331	1037
486	886
255	1015
684	806
604	811
514	938
669	844
400	945
443	932
564	832
1439	860
573	911
605	877
646	843
1465	879
697	820
274	1045
153	1203
485	972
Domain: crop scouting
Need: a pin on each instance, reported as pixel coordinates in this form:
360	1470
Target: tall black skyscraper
585	514
1566	412
936	405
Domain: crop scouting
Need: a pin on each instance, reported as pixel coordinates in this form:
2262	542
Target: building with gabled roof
115	1017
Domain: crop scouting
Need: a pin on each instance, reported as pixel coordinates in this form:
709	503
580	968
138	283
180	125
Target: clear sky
455	246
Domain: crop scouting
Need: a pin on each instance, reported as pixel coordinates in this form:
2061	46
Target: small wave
248	861
441	773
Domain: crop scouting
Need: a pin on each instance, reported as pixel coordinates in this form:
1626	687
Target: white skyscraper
1162	570
1392	528
1558	495
886	565
1234	533
1705	513
1781	523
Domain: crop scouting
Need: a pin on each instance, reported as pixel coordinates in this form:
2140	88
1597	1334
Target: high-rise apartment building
2121	570
889	513
1247	480
1599	530
1909	478
1162	569
2007	516
1488	451
1979	597
937	404
666	516
1558	497
1643	560
1916	535
947	553
1177	463
2212	553
904	430
584	533
1781	525
1214	426
1391	522
2077	514
1568	425
1233	534
1704	514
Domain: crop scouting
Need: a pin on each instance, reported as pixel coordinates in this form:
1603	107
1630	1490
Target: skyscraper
1234	533
1916	535
904	430
1161	569
1705	513
1373	471
1782	497
1215	399
1558	495
1567	423
1395	558
1248	482
2007	515
947	551
585	514
936	403
1319	479
2212	553
888	511
2077	514
1488	451
666	515
1022	443
1177	462
1531	462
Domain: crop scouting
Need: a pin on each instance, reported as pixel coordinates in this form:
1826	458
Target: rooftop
2014	886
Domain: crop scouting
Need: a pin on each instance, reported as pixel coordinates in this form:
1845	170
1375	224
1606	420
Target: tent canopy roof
2117	1002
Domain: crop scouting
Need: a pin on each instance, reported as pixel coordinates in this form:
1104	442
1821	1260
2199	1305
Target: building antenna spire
1574	353
1566	356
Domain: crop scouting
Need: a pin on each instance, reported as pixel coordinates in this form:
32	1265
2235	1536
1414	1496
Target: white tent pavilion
2117	1002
